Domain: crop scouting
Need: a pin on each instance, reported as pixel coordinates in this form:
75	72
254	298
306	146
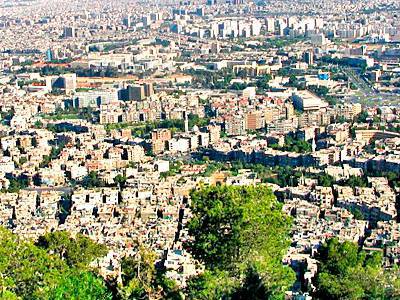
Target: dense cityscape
199	149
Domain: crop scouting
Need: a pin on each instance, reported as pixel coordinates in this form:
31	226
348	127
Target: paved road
359	82
369	94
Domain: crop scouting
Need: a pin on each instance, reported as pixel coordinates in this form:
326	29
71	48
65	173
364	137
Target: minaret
313	145
185	117
302	180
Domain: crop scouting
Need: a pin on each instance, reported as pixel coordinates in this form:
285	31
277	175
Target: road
369	95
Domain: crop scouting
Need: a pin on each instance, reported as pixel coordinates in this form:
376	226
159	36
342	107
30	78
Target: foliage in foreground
241	234
30	272
76	252
142	280
346	272
58	267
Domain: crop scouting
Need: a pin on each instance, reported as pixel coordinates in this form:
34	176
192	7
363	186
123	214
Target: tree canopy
91	180
142	280
241	234
30	272
79	251
80	285
293	145
346	272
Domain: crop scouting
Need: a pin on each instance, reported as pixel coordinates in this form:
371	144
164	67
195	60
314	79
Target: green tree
7	295
263	82
196	120
346	272
237	86
356	181
22	160
293	144
321	91
362	117
78	251
142	280
325	180
17	183
210	285
30	272
92	180
285	176
34	142
139	272
38	124
393	178
82	285
25	269
241	231
120	180
357	213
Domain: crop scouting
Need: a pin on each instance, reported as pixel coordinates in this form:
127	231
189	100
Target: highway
369	95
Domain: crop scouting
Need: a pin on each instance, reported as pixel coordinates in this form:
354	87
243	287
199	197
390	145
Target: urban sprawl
113	112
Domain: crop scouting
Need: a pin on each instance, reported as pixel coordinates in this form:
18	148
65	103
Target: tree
142	280
24	268
332	100
79	251
237	86
7	295
353	86
357	213
362	117
240	231
82	285
141	270
120	180
294	145
263	82
92	180
393	178
38	124
196	120
356	181
285	176
29	272
175	168
22	160
34	142
210	285
325	180
346	272
341	119
17	183
321	91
